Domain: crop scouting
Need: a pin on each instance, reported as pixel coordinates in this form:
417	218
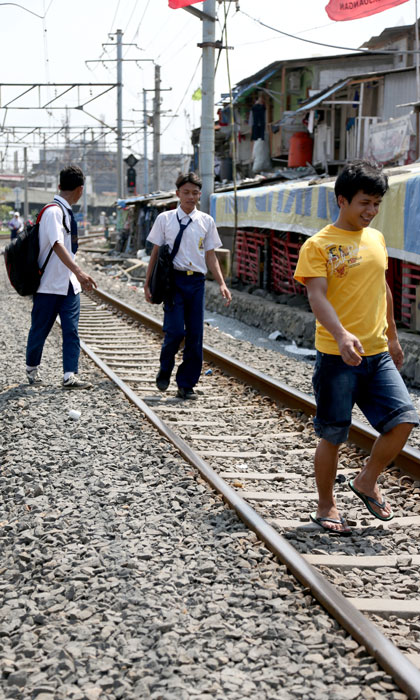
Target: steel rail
388	656
360	434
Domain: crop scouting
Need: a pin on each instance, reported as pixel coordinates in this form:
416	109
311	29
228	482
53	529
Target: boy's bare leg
385	449
326	460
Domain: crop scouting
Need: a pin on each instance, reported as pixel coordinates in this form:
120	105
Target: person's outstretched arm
86	281
214	267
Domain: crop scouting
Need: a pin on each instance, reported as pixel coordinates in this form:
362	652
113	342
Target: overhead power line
330	46
115	15
141	21
15	4
183	98
274	38
47	10
136	2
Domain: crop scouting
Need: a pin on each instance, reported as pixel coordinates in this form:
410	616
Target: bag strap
38	219
177	242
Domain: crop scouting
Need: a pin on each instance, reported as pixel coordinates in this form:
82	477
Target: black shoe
162	381
184	393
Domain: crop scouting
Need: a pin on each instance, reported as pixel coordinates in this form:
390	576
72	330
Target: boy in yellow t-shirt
359	355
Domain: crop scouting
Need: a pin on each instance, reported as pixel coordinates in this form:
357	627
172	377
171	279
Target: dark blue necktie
177	241
73	232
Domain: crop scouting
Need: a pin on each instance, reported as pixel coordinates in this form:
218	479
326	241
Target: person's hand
396	352
86	281
147	294
225	294
350	349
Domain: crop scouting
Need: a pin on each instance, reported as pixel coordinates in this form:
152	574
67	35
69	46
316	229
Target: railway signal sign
131	181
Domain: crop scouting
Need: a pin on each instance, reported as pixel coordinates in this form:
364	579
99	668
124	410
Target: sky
54	47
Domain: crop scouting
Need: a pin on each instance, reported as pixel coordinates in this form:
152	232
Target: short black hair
189	177
361	175
71	178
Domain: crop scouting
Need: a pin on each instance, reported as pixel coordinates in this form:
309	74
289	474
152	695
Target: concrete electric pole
145	156
120	185
156	132
25	174
207	104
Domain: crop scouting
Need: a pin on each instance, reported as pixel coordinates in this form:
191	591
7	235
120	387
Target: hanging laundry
258	119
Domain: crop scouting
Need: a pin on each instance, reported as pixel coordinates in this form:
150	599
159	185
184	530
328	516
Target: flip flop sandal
367	500
336	521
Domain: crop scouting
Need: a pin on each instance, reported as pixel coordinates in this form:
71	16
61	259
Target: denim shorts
375	386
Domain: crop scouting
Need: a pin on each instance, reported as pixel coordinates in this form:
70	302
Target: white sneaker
73	382
34	376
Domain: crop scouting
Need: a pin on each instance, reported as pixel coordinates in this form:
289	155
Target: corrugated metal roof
322	96
255	84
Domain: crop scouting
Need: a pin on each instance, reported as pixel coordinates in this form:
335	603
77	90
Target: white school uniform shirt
57	275
200	236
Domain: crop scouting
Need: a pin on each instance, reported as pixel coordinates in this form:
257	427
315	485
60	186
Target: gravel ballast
245	343
124	576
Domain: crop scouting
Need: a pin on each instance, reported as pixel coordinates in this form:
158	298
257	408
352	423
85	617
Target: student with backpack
61	282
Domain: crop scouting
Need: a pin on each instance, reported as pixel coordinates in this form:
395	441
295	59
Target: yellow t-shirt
354	263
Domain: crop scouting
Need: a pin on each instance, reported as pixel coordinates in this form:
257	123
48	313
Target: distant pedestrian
59	290
359	355
15	225
184	318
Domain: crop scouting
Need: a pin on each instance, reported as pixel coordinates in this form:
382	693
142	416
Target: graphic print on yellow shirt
342	258
354	264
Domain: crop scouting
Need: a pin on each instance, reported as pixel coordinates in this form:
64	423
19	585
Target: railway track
259	457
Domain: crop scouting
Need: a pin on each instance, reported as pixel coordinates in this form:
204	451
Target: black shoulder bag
161	283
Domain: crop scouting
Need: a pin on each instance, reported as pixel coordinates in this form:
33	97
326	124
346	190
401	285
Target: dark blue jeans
375	386
185	318
45	310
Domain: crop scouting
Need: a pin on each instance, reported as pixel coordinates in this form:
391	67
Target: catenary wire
392	52
47	10
15	4
183	98
141	20
274	38
115	15
136	2
158	36
189	20
172	56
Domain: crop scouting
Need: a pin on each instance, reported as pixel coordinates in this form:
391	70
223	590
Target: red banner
342	10
175	4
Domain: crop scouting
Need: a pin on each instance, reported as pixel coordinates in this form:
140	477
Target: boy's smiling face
358	213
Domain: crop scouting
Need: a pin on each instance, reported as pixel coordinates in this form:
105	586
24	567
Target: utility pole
45	162
207	104
120	186
85	205
157	113
156	132
25	173
416	26
119	59
145	157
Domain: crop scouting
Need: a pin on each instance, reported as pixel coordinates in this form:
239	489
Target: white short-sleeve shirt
57	275
199	237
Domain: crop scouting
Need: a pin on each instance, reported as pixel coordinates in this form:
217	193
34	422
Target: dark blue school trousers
45	310
184	319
